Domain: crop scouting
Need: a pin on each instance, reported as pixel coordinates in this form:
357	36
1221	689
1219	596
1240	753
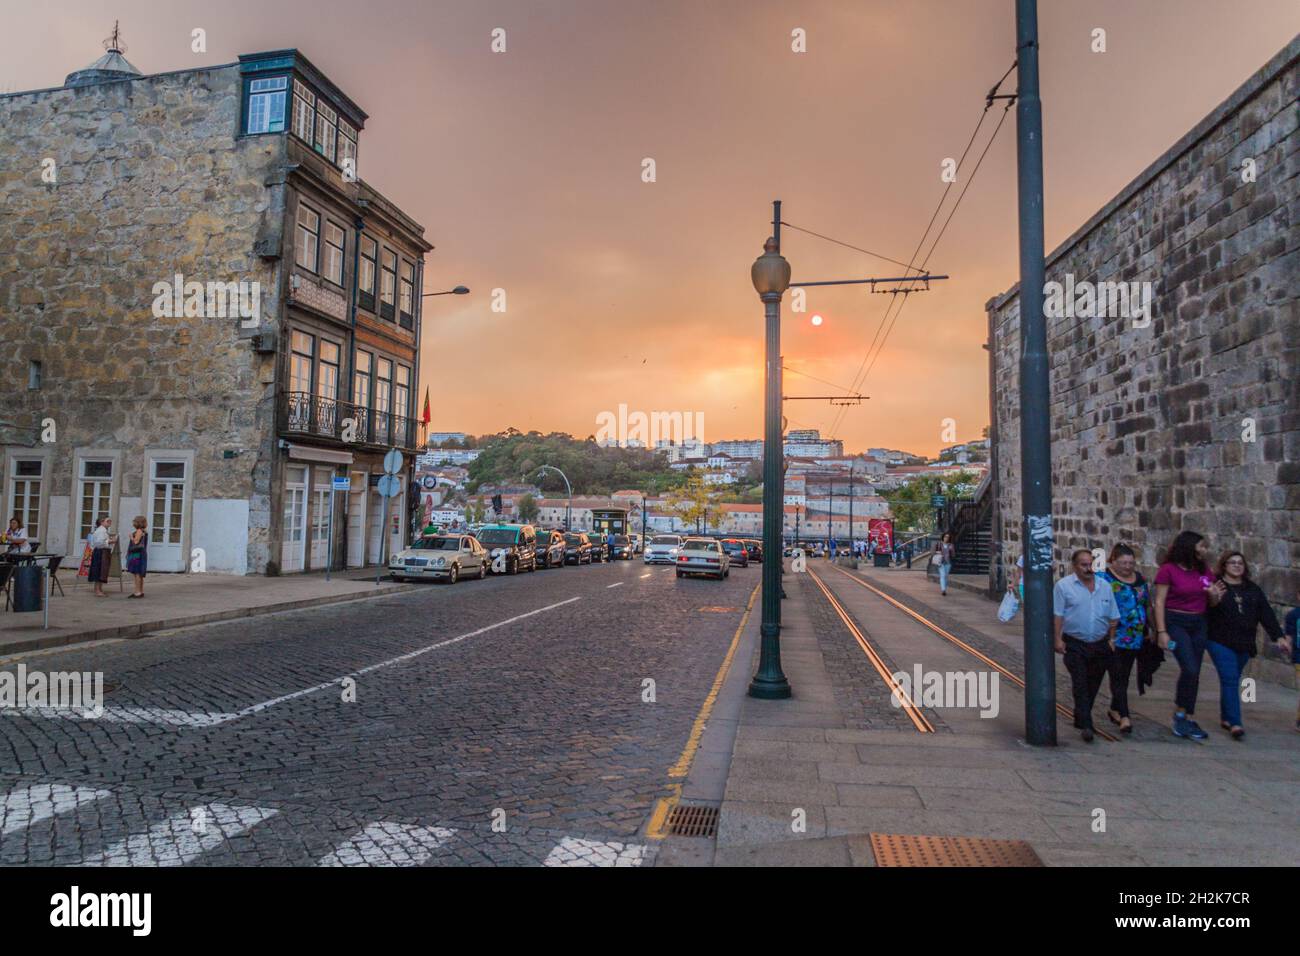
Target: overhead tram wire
960	196
909	266
993	94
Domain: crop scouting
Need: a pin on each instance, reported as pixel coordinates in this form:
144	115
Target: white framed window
326	131
369	266
304	111
302	353
388	280
361	380
95	491
26	494
266	105
332	267
347	144
405	303
308	245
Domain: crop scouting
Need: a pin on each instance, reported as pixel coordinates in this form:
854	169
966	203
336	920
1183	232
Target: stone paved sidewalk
1165	801
175	600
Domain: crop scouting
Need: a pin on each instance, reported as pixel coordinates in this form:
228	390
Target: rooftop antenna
114	43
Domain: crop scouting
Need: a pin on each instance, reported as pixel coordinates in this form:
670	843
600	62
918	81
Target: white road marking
648	574
618	585
574	852
180	718
21	809
182	837
388	844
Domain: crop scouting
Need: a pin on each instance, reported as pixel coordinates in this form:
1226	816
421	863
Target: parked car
623	549
703	556
662	549
446	557
512	547
550	549
736	551
755	548
577	548
599	547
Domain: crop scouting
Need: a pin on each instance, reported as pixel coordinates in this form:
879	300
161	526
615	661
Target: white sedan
441	557
662	549
703	556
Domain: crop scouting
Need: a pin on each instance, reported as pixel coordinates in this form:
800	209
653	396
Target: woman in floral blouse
1133	597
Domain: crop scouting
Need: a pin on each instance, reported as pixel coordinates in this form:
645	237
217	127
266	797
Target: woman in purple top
1185	589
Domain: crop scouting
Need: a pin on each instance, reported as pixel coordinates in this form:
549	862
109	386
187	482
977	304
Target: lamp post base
769	689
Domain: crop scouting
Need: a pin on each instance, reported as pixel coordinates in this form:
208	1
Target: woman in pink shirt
1185	590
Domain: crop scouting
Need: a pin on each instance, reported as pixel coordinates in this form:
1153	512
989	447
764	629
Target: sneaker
1087	735
1186	727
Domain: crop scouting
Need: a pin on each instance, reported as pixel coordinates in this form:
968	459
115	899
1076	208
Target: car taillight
683	558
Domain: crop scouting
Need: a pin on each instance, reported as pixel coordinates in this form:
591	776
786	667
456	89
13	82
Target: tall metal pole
769	682
851	540
1035	427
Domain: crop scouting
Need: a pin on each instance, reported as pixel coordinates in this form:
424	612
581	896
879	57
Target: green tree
528	509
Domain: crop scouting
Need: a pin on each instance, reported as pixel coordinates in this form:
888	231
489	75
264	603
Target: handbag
1009	607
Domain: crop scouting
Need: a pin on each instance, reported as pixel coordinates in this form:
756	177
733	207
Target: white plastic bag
1009	607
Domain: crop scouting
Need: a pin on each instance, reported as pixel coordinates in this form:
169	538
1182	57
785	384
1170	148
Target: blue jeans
1229	664
1188	633
943	577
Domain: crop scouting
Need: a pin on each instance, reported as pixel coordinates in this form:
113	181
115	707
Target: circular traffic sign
393	461
390	486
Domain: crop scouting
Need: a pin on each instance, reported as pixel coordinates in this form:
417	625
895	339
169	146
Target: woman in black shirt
1232	625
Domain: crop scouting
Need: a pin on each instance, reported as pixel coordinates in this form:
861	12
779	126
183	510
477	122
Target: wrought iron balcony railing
301	413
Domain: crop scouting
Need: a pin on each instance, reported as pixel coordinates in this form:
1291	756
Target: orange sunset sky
525	168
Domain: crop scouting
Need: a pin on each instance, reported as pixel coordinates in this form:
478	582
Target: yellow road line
659	818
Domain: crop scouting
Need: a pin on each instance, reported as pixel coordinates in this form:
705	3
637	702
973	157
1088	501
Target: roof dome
111	66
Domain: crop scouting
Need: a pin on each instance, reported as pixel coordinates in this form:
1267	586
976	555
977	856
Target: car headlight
441	562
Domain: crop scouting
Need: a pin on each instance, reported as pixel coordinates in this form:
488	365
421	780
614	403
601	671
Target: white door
357	520
167	480
375	524
322	478
294	532
397	519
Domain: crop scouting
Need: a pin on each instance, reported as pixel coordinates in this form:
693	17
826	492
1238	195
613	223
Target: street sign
342	482
937	501
393	462
390	486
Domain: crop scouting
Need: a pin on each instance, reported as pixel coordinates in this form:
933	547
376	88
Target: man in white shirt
1086	617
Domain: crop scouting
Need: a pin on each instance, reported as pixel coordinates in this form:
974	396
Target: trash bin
27	587
881	560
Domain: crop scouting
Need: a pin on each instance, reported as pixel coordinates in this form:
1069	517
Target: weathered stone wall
153	180
1148	422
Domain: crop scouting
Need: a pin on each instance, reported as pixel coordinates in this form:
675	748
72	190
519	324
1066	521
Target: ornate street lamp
771	276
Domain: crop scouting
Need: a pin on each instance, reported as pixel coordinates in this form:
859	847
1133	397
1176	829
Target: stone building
1186	417
207	315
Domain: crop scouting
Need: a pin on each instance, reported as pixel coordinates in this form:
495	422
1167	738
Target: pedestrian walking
1291	642
102	541
1231	627
137	555
1085	617
1132	596
944	554
1016	582
1185	587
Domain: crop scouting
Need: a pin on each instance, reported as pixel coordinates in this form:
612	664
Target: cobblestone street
495	722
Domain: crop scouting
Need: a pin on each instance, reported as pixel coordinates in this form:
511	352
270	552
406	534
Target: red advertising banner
880	532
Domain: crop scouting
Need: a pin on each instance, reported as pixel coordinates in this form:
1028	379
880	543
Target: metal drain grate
893	849
693	821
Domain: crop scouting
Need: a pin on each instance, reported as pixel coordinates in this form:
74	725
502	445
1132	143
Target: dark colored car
513	547
623	549
737	551
599	547
550	549
577	549
755	549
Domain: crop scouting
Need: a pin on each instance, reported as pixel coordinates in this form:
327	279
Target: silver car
440	557
703	556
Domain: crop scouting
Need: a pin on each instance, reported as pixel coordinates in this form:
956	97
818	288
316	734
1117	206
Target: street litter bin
881	560
27	587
